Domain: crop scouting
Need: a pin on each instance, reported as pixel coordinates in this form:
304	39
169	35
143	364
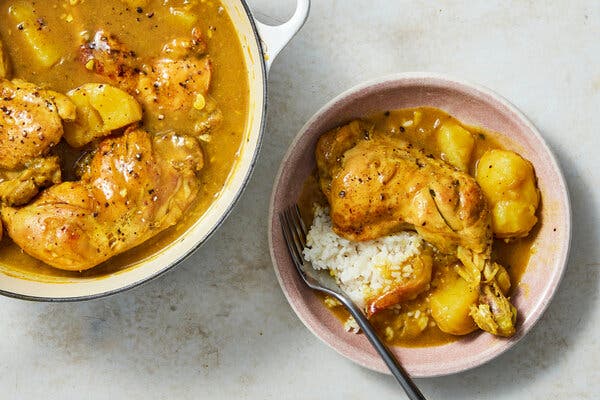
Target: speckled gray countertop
219	327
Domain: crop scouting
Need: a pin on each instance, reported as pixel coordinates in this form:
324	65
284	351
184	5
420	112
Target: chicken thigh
382	185
378	184
170	88
171	84
108	57
135	186
30	121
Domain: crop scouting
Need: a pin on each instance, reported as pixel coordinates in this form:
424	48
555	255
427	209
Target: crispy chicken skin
30	121
378	184
136	186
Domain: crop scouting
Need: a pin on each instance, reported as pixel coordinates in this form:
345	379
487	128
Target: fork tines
294	232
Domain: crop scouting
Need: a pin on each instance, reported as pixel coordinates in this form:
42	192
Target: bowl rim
430	78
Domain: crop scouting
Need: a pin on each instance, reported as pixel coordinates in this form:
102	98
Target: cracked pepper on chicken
114	127
396	180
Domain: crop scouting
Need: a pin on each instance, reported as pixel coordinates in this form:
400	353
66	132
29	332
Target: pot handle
275	38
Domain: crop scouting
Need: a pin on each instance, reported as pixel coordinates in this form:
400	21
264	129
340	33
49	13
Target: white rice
364	270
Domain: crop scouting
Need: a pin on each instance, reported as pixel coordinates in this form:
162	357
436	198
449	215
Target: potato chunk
456	145
508	181
451	303
183	15
34	29
101	108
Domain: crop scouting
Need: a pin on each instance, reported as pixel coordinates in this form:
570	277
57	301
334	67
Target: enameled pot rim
233	201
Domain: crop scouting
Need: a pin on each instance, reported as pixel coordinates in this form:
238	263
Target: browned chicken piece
405	289
170	87
136	186
30	121
378	184
19	187
108	57
4	63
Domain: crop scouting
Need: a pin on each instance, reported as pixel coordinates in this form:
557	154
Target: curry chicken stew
120	122
426	222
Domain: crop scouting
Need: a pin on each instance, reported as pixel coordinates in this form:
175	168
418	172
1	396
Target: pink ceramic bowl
473	105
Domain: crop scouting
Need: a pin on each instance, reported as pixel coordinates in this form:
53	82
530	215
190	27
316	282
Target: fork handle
399	373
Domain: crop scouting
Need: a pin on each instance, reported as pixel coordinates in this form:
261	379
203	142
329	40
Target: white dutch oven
261	43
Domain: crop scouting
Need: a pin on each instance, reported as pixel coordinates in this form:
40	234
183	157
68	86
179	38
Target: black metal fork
294	233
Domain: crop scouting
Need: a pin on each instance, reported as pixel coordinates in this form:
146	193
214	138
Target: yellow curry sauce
145	30
419	125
